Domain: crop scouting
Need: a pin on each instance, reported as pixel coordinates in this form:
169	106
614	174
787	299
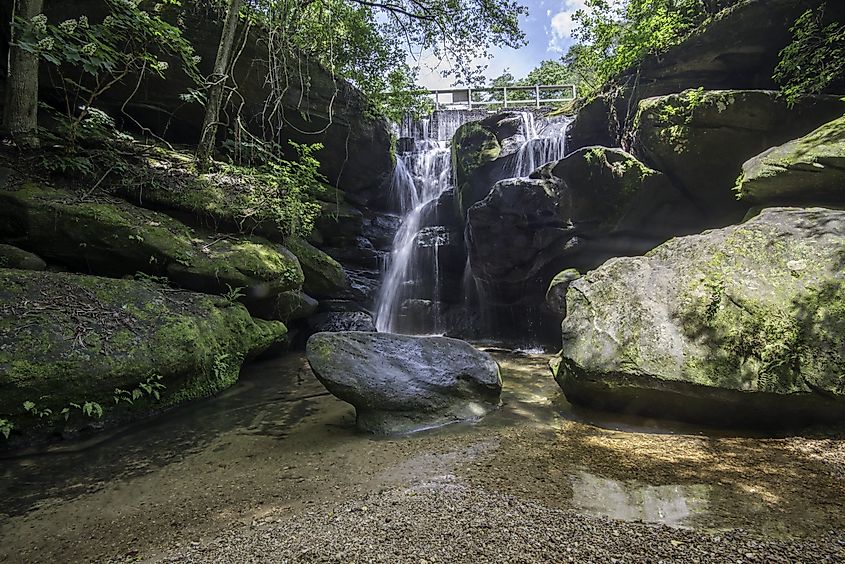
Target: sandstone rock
111	237
400	384
809	170
68	338
13	257
700	138
741	324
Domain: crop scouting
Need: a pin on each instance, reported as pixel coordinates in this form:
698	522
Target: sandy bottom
273	470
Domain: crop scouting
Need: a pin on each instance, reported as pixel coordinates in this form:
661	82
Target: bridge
536	96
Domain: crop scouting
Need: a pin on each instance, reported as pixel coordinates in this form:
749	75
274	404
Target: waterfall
419	179
410	298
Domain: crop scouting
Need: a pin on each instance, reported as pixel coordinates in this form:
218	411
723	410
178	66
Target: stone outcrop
737	50
400	384
701	138
69	339
810	170
108	236
741	324
13	257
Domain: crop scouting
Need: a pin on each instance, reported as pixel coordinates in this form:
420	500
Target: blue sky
547	28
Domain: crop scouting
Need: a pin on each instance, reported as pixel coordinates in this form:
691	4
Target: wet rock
13	257
740	324
380	229
68	338
339	305
400	383
285	306
334	321
809	170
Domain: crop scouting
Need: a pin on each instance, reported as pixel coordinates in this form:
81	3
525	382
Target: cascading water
419	179
410	299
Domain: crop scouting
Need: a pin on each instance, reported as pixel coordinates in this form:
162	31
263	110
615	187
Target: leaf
29	405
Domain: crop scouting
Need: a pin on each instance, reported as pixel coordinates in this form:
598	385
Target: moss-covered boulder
324	276
810	169
701	138
745	323
67	340
109	236
13	257
476	150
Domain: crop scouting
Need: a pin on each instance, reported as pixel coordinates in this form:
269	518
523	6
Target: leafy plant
32	408
151	387
6	428
814	58
234	294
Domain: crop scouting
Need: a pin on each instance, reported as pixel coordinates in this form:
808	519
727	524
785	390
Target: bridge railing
511	96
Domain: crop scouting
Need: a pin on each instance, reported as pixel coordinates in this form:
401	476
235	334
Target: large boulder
701	138
69	339
324	276
577	212
109	236
13	257
741	324
400	383
483	153
809	170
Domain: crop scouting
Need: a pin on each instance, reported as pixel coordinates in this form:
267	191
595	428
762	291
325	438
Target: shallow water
277	441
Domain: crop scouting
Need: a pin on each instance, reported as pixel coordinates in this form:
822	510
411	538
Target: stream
276	444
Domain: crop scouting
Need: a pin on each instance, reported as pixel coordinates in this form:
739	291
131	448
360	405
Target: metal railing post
469	98
437	100
537	95
505	94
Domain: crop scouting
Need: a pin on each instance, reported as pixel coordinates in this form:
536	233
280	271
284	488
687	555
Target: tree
20	115
217	85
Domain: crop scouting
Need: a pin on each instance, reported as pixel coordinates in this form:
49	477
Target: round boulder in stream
401	383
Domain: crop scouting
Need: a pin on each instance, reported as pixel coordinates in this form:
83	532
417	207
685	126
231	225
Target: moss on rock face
112	237
700	138
69	339
473	146
13	257
324	276
748	316
810	169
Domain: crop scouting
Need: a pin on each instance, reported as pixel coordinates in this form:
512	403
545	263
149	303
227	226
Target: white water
419	179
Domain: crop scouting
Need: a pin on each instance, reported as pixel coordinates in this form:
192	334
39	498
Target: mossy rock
701	138
13	257
324	276
111	237
69	339
808	170
473	146
745	323
232	199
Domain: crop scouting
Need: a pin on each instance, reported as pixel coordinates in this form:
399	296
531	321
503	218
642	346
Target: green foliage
39	412
280	187
151	387
234	294
814	58
614	36
6	428
89	59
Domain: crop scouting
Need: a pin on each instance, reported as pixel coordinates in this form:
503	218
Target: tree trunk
219	77
20	114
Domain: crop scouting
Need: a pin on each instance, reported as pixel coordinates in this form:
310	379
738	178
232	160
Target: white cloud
562	25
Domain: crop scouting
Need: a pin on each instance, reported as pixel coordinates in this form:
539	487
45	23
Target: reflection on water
670	504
